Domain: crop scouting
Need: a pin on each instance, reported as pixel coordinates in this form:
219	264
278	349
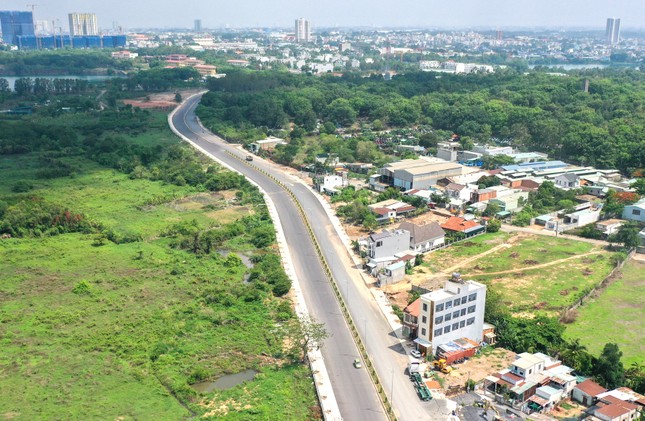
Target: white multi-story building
303	30
83	24
454	312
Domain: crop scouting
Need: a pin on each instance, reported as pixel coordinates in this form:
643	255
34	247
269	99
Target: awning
422	342
538	400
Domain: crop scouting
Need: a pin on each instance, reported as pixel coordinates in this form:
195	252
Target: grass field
120	331
617	315
528	280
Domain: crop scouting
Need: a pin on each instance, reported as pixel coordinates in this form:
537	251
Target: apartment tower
81	24
15	24
303	30
612	33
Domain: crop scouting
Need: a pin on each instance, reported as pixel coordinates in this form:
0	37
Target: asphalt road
356	396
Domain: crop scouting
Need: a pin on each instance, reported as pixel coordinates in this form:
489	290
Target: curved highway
354	391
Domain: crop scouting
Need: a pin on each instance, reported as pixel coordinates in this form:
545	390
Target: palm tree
572	353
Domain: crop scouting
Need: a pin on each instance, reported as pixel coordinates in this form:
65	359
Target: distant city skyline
358	13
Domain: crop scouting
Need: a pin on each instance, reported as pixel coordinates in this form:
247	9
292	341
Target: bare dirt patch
478	367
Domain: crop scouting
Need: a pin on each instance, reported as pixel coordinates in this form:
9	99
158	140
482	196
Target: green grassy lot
615	316
452	255
525	287
120	331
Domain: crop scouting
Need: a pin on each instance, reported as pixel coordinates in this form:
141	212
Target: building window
423	331
438	320
446	329
455	314
463	300
471	309
636	212
438	307
457	301
472	297
448	305
379	243
455	326
425	307
424	320
463	312
470	321
462	323
448	317
437	332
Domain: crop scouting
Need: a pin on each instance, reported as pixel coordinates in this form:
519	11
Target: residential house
411	319
458	191
384	215
567	181
609	227
387	243
266	144
635	212
534	382
511	202
424	238
586	392
581	218
388	210
641	236
483	195
330	183
392	273
457	224
611	408
454	312
359	167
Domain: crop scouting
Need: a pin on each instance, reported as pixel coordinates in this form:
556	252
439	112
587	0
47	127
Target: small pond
225	382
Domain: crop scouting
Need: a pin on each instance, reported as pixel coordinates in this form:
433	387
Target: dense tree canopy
534	111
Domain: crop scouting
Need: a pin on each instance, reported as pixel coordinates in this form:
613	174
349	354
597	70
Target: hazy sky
270	13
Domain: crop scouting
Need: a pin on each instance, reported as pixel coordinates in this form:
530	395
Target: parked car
249	158
415	353
357	363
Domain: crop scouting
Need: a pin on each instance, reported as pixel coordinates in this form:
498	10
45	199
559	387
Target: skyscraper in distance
83	24
303	30
198	25
612	33
15	24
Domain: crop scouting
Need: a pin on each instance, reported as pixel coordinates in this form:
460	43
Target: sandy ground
478	367
164	100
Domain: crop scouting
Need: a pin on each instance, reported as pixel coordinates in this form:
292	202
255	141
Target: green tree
302	336
178	97
576	356
635	377
627	235
493	225
609	370
639	186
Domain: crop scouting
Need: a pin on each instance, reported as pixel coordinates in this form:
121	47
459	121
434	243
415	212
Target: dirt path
543	265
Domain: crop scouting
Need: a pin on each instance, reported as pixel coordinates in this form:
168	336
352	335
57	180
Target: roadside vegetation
133	269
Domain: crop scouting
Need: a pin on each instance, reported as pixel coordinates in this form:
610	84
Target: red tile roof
590	388
414	308
456	223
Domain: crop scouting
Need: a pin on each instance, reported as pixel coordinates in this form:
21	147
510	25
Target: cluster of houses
536	383
389	251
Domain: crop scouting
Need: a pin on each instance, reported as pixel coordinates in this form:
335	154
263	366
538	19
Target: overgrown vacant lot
95	329
617	315
531	272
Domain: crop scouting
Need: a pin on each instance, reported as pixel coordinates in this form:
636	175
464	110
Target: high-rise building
198	25
612	33
83	24
15	24
303	30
